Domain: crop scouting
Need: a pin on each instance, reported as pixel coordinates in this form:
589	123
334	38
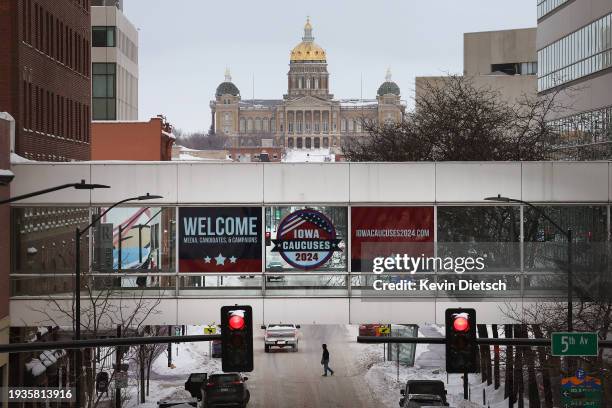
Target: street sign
585	392
574	344
210	329
384	330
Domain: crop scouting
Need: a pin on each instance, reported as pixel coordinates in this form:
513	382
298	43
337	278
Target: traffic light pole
466	387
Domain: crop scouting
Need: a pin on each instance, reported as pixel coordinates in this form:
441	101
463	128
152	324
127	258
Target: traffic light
461	346
237	338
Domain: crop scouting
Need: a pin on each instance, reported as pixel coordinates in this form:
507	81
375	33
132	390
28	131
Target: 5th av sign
574	344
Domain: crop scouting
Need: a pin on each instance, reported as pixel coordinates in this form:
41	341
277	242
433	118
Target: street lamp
77	284
568	234
79	186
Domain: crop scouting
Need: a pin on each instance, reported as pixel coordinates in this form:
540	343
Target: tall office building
45	79
502	60
114	58
574	43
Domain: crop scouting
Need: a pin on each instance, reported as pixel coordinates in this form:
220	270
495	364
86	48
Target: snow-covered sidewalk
429	365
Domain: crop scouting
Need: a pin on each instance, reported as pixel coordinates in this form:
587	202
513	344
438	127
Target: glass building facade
546	6
581	53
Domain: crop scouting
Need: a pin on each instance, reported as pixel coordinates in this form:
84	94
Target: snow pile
16	159
187	358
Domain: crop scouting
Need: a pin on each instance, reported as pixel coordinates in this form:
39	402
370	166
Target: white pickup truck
281	335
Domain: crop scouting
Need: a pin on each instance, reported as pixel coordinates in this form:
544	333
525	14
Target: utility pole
118	370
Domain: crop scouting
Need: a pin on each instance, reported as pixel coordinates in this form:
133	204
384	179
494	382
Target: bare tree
462	122
105	306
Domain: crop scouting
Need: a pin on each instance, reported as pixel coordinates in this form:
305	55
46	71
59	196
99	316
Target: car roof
272	326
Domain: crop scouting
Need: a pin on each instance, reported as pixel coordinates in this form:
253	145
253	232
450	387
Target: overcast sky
185	45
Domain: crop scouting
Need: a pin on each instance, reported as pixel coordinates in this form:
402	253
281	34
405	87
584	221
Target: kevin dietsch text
427	284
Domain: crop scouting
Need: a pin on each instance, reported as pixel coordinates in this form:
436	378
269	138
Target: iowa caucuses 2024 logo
306	239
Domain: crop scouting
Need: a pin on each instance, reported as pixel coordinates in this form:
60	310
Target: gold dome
307	50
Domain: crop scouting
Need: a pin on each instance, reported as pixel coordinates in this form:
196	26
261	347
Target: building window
242	125
577	55
103	91
326	142
308	143
299	142
249	125
317	142
290	143
584	136
258	124
103	36
226	117
264	124
546	6
343	125
272	125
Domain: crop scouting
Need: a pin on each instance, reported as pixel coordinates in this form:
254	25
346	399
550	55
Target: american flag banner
306	239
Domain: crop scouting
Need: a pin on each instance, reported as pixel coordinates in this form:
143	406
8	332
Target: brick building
45	63
6	123
134	140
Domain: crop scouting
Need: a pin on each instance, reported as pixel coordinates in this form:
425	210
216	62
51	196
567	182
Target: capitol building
308	116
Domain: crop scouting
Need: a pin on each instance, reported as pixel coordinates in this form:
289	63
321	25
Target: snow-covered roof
6	173
190	157
308	156
353	103
170	135
15	158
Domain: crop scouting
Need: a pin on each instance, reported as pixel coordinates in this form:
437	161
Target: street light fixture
79	186
77	284
568	234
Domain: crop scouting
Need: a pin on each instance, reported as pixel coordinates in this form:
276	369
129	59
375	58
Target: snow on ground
429	364
187	358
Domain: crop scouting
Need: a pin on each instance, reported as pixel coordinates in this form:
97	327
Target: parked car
225	390
421	401
281	335
177	404
194	384
369	329
423	393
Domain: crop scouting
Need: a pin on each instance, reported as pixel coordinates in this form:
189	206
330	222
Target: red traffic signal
236	338
461	324
236	322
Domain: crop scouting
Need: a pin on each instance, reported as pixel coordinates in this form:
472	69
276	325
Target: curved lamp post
77	284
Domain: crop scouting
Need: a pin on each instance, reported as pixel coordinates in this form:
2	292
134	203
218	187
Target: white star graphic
207	259
220	259
233	259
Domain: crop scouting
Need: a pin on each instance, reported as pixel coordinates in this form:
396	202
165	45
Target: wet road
284	379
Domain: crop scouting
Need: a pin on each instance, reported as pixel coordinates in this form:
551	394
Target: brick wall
45	64
4	220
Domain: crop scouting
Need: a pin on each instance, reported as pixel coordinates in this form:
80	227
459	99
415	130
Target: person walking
325	361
